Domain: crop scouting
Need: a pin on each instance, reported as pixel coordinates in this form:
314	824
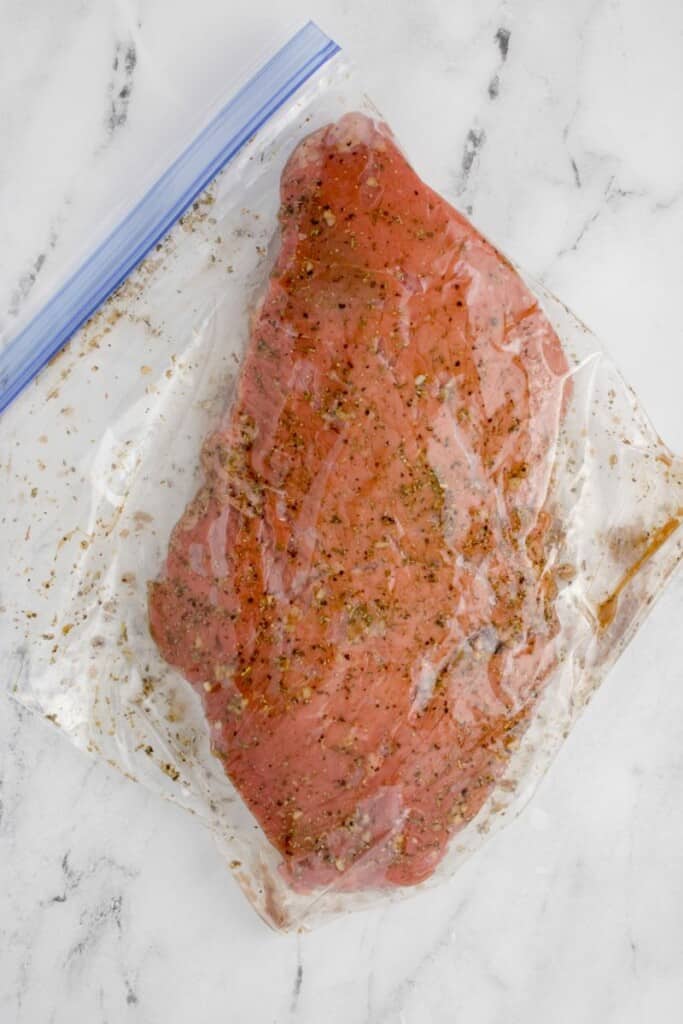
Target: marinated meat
361	591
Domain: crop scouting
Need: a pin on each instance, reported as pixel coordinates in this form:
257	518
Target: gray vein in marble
19	662
24	972
72	879
399	995
96	921
571	120
298	981
476	137
502	37
585	228
121	85
611	195
371	957
27	281
668	204
13	771
119	93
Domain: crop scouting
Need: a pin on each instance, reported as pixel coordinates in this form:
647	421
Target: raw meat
362	590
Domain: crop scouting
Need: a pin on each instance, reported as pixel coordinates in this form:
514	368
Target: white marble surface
559	127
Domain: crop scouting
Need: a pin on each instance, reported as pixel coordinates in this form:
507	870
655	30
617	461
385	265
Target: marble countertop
557	127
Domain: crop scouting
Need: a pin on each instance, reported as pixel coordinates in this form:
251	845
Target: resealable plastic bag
104	454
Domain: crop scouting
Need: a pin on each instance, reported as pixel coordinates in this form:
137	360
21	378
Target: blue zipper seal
127	245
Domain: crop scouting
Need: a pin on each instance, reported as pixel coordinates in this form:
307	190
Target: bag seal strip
143	227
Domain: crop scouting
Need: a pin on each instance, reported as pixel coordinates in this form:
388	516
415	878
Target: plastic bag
543	541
